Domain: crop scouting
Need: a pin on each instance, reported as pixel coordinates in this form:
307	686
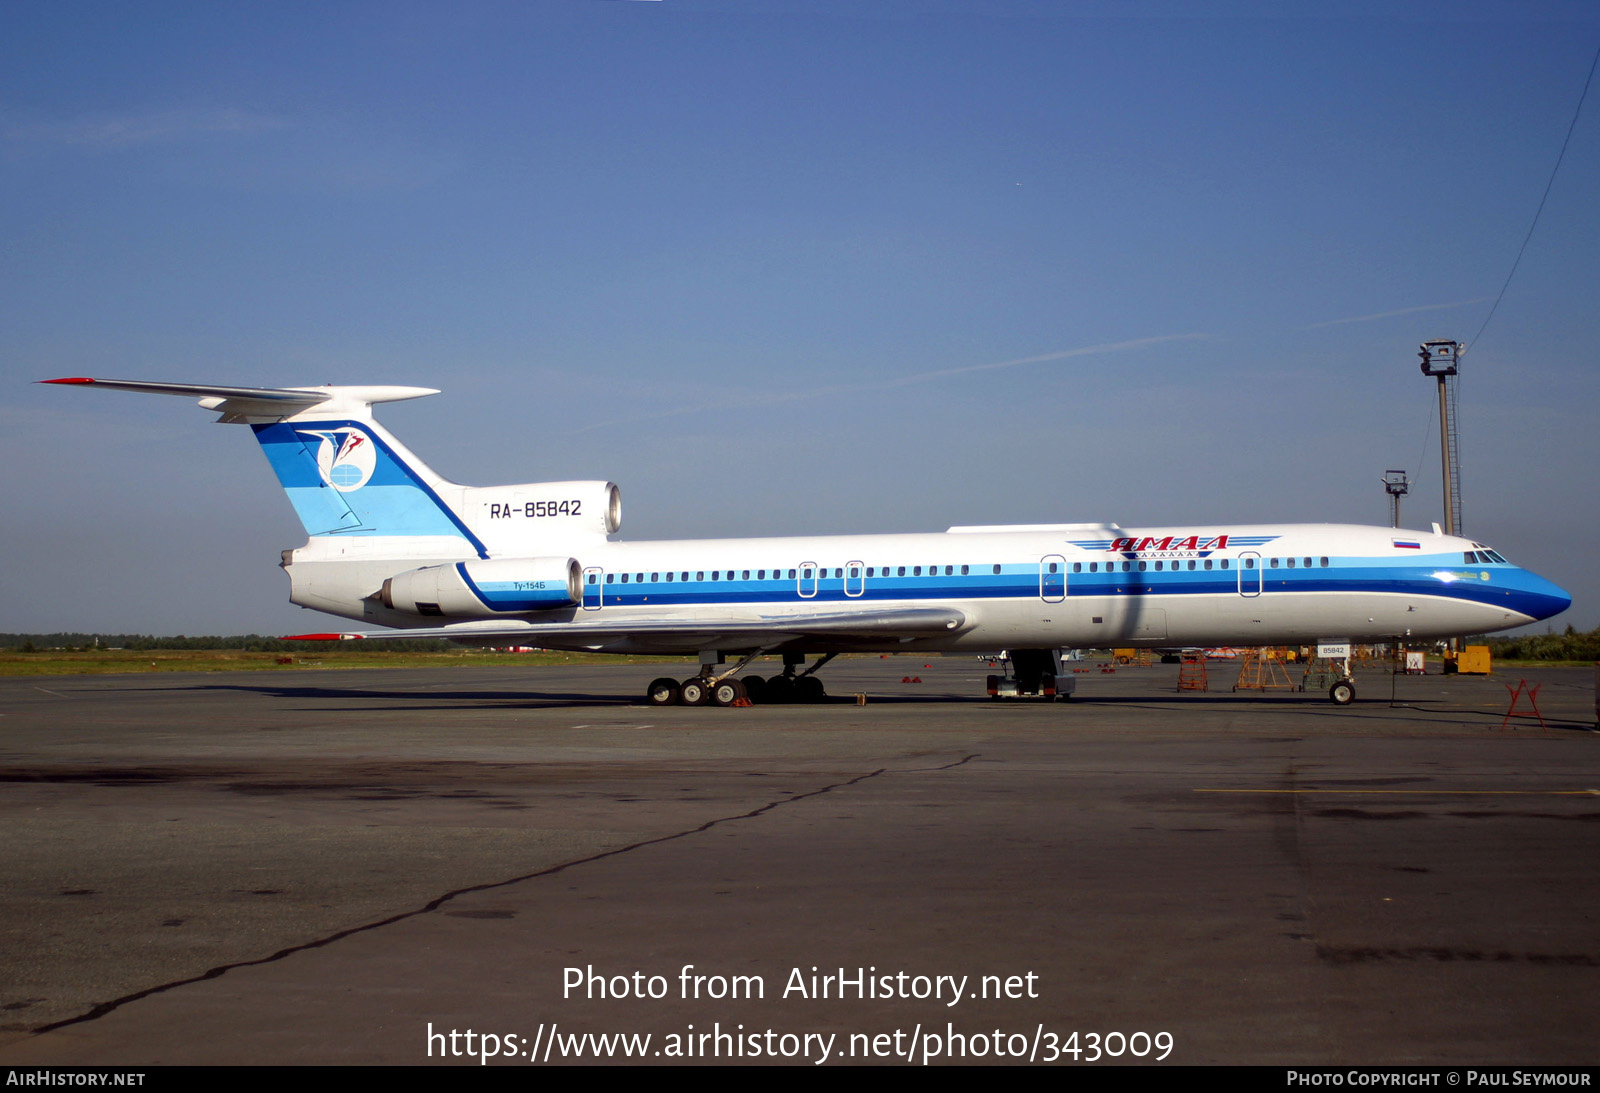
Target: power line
1587	81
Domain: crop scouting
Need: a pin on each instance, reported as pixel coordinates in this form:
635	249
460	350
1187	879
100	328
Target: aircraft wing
687	635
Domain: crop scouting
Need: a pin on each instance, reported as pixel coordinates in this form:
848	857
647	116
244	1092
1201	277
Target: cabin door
1249	573
1052	578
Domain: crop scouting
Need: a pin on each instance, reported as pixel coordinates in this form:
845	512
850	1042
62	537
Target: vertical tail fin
344	473
349	476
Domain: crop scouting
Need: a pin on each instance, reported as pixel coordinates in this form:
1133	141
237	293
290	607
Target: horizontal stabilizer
246	404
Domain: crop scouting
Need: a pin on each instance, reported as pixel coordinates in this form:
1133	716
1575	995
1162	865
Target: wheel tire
727	692
809	689
755	689
663	692
780	689
695	692
1342	693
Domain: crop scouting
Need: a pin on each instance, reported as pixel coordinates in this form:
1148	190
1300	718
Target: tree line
249	643
1568	645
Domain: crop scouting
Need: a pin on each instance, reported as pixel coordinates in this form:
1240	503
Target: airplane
392	544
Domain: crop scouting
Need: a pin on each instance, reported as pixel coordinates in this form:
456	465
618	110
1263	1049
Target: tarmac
362	866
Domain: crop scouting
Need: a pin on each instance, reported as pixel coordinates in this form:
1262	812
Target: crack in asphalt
104	1008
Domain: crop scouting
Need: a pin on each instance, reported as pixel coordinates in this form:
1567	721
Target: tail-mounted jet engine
485	588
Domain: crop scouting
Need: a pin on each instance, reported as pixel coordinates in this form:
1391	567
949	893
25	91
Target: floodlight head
1440	358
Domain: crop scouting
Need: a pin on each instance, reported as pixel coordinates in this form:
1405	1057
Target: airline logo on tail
346	457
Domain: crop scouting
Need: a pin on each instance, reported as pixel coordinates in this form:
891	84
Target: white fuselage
1055	586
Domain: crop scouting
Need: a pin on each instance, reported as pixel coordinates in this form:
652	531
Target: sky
792	267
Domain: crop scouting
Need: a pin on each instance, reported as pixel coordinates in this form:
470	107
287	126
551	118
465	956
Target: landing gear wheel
755	689
1342	693
809	689
780	689
695	692
662	692
726	692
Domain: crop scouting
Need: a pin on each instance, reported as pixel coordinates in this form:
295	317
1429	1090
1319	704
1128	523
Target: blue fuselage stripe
1501	585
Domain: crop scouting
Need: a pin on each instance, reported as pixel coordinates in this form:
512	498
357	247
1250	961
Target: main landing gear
710	688
1034	674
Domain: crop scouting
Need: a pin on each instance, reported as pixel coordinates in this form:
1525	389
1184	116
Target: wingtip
70	379
320	637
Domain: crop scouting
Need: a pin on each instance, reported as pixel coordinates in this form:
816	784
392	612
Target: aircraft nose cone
1539	598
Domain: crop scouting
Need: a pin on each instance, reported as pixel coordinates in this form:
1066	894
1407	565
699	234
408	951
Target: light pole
1442	360
1395	484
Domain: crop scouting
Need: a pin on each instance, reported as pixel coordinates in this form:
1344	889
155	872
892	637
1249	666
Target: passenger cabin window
1324	563
997	570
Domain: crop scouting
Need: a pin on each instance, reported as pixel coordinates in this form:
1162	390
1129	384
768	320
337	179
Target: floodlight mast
1442	360
1397	486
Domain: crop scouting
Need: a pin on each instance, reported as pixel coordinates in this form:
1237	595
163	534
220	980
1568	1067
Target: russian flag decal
1407	544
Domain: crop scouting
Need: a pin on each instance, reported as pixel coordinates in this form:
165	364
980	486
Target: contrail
1397	311
897	381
